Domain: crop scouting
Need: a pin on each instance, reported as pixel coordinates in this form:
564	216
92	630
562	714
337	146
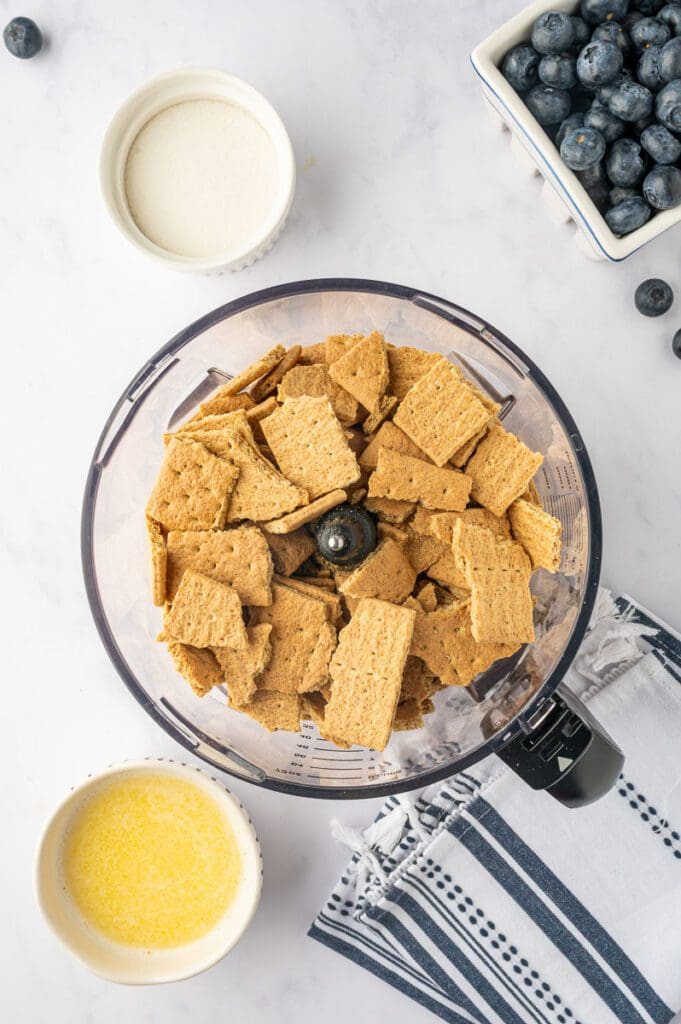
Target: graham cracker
301	640
363	371
290	550
209	430
253	372
338	345
261	492
389	511
443	640
498	574
442	524
268	384
193	488
366	671
389	436
446	571
386	574
273	710
427	597
159	561
407	366
322	582
461	457
493	408
382	410
386	530
538	532
311	354
241	668
356	440
315	382
294	520
421	550
418	682
331	601
356	496
532	495
501	469
408	716
199	666
261	411
309	445
238	557
402	478
205	613
219	404
440	413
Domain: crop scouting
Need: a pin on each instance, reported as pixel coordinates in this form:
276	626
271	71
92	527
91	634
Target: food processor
518	709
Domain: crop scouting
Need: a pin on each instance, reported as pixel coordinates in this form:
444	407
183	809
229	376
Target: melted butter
151	861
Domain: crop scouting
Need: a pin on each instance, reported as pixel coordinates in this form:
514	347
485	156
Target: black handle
566	752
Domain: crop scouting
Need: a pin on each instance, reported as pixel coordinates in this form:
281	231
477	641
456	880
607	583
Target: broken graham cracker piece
402	478
310	447
330	600
408	716
441	524
338	345
220	404
461	457
501	469
381	412
418	682
498	574
193	489
294	520
311	354
386	530
440	413
532	495
444	641
363	371
273	710
290	550
386	574
205	613
238	557
389	436
407	366
389	511
302	641
241	668
427	597
254	372
538	532
259	412
268	384
315	382
198	665
366	671
159	561
422	551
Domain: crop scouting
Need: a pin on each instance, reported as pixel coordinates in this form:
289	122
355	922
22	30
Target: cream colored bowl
128	965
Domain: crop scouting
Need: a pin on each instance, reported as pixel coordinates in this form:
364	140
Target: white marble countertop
401	178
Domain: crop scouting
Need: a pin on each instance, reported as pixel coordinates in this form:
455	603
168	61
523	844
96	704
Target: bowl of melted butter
149	872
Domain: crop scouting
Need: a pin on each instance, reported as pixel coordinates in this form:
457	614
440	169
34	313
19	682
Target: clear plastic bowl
468	723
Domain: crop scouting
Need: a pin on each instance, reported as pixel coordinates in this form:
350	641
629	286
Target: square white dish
564	193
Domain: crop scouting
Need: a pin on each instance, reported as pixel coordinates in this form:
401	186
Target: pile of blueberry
606	87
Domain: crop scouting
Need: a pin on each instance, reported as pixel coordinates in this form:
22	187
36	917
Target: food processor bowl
515	708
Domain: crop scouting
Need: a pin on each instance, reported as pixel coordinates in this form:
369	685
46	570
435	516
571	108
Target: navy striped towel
490	904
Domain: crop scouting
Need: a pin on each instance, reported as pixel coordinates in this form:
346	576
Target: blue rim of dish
488	746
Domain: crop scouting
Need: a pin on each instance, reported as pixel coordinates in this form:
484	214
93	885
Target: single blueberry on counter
660	144
614	33
653	297
548	105
552	32
649	32
662	187
23	38
582	148
595	11
604	121
520	67
618	195
668	105
581	34
670	15
676	344
598	63
628	216
648	68
575	120
558	69
670	60
631	101
625	163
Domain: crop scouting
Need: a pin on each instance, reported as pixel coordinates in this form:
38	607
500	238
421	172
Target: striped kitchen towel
488	903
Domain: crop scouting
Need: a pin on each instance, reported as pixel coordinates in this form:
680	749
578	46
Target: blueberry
649	32
628	215
671	17
676	344
604	121
662	187
598	63
653	297
549	105
558	69
660	144
618	195
596	11
670	60
613	32
648	70
604	92
582	148
23	38
631	19
595	181
624	163
668	105
552	32
581	34
649	7
575	120
520	67
631	101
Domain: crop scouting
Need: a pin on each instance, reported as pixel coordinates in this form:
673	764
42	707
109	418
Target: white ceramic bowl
563	192
121	963
177	87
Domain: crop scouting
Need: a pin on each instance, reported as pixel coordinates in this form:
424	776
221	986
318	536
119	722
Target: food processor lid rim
448	311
